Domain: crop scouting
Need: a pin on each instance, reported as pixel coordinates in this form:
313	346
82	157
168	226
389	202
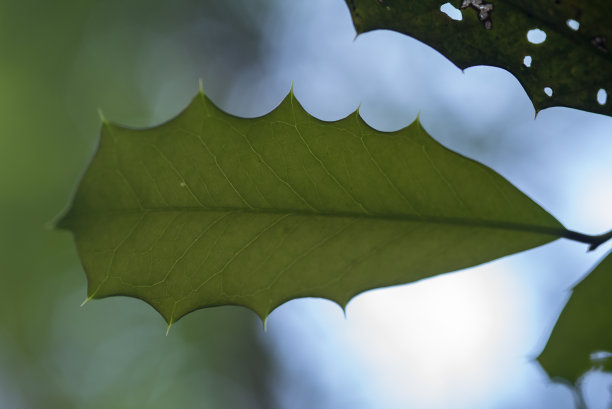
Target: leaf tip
262	315
265	324
86	300
201	86
61	222
343	303
102	117
291	92
51	225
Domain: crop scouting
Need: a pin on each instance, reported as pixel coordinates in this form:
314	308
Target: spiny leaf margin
209	209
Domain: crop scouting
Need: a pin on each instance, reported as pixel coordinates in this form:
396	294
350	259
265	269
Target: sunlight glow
443	342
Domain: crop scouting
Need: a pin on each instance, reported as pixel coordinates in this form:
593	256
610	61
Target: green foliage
574	64
584	328
210	209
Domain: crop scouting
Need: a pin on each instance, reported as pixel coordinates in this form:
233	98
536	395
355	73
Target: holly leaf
582	337
210	209
574	62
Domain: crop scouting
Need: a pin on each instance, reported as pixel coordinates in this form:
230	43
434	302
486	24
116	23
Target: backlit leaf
210	209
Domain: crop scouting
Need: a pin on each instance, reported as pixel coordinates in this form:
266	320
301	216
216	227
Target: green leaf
209	209
574	64
584	328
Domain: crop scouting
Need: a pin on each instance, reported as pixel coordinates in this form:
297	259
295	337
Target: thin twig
593	241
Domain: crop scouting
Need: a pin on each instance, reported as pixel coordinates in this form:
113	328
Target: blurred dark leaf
582	337
574	64
210	209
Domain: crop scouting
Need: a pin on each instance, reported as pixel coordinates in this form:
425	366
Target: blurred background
461	340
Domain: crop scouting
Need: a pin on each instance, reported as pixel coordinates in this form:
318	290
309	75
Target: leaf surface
574	64
583	332
210	209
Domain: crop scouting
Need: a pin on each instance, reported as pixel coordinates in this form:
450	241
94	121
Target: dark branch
593	241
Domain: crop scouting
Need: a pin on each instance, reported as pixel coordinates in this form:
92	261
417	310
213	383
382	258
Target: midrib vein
457	221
